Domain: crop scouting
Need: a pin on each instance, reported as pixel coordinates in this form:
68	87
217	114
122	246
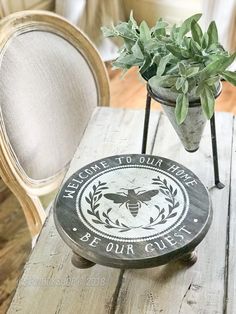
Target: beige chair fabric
47	95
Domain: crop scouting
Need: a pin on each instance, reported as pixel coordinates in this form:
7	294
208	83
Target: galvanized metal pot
190	131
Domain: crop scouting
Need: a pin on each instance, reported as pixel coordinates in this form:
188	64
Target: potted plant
183	67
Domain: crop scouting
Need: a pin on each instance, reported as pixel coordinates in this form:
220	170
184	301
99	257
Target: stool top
132	211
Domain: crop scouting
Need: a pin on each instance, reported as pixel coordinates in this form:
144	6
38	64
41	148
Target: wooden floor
15	246
15	243
130	92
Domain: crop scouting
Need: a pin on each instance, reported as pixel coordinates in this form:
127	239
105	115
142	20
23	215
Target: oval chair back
51	79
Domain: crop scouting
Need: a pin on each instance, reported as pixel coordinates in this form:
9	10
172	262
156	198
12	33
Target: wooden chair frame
26	189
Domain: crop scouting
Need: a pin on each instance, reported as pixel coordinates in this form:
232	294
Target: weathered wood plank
174	288
50	284
231	272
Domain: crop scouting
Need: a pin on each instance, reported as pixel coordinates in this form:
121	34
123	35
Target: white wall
173	11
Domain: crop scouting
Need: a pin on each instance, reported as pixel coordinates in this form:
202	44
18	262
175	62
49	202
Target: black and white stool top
132	211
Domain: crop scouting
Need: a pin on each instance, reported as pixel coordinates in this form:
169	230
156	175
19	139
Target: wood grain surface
127	93
15	245
230	270
50	284
173	288
61	279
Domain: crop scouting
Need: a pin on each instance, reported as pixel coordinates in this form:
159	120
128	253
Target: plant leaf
205	41
212	33
207	101
200	88
128	44
175	51
137	52
212	80
163	81
162	65
182	69
186	41
150	45
192	71
128	60
229	76
186	26
174	32
146	64
181	108
145	33
195	47
108	31
123	30
160	24
185	87
132	20
179	83
196	32
219	65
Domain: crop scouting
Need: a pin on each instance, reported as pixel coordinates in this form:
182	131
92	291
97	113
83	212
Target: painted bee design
132	200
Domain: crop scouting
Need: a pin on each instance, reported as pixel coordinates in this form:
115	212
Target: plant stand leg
80	262
218	184
146	123
189	258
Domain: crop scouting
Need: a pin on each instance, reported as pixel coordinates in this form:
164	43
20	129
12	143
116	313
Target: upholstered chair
51	79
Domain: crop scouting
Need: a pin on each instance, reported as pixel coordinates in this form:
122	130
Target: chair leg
34	213
189	258
80	262
31	205
34	240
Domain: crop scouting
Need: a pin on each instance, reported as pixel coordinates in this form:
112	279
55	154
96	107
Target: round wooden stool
132	211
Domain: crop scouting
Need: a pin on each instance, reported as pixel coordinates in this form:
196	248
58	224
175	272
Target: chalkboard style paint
133	211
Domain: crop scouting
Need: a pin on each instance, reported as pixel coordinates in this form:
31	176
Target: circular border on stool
132	211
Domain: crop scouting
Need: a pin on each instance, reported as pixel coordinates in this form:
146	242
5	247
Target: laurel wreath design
162	217
170	195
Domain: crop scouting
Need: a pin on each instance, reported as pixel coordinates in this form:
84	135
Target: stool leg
80	262
189	258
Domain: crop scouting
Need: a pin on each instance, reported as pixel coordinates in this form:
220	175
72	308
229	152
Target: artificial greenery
182	58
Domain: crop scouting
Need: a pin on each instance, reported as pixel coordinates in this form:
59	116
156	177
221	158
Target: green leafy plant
181	58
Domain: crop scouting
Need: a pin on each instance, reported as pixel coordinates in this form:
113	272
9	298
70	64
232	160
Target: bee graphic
132	200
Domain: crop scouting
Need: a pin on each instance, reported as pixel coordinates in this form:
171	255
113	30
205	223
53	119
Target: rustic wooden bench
51	284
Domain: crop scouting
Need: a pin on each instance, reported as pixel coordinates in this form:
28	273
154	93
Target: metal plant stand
218	184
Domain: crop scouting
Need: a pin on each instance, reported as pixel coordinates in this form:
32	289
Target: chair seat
133	211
